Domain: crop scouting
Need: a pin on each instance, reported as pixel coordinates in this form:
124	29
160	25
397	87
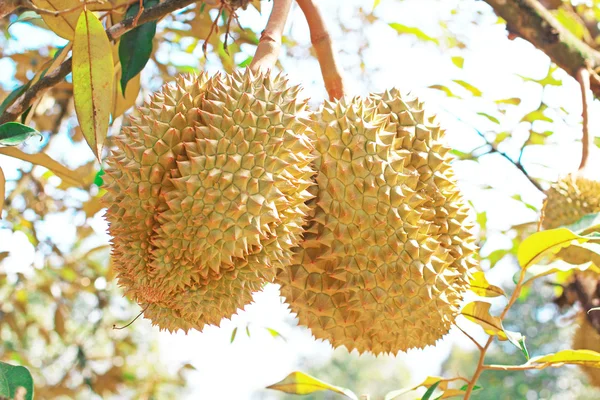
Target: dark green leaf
430	391
14	133
135	46
13	377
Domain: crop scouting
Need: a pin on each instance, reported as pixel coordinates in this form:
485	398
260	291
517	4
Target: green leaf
458	61
14	133
430	391
233	335
571	21
301	383
537	115
488	116
444	89
13	377
474	91
275	334
135	47
513	100
376	3
98	181
248	330
246	62
534	247
585	225
411	30
12	96
597	141
518	340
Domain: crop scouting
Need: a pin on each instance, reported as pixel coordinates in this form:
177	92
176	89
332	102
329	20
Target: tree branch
533	22
114	32
321	41
583	77
269	46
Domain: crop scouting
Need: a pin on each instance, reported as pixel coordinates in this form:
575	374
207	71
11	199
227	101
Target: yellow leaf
43	160
301	383
579	357
532	248
2	191
92	206
452	393
64	24
479	312
59	320
481	287
120	103
93	74
537	271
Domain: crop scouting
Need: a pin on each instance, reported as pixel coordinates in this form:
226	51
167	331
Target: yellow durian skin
587	338
388	251
567	201
206	195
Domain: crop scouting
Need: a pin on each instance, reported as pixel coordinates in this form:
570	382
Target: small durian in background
206	194
389	251
567	201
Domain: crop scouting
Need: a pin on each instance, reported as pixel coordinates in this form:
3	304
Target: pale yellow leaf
43	160
579	357
482	287
121	103
534	247
59	320
93	73
301	383
2	191
452	393
479	312
64	24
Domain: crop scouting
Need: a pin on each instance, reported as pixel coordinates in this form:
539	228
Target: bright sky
240	370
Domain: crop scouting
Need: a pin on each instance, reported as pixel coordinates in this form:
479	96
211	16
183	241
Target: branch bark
114	32
583	77
321	41
530	20
269	46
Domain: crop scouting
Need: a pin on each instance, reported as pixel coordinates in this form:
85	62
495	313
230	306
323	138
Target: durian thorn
321	41
268	48
139	315
583	77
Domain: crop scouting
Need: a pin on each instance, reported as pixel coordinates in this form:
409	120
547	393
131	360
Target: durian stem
481	363
583	77
269	46
321	41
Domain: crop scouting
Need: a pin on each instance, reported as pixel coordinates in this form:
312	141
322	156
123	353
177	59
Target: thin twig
114	32
139	315
480	347
321	41
583	77
269	46
481	363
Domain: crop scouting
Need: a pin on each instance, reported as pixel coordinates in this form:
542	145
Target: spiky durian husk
570	199
206	195
388	253
567	201
587	338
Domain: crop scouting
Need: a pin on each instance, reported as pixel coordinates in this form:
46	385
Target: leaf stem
481	363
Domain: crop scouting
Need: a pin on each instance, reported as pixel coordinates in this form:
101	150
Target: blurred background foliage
507	121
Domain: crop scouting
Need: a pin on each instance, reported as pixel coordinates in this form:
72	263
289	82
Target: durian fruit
587	338
206	194
388	251
567	201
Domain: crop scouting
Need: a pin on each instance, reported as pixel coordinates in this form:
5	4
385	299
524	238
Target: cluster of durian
224	183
